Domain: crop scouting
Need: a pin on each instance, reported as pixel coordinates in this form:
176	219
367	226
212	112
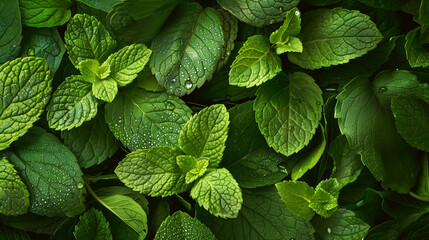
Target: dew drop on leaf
297	13
282	167
173	80
382	89
80	185
272	21
328	230
188	84
280	9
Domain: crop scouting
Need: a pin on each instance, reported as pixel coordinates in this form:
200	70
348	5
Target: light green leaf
51	170
258	13
187	50
72	104
293	45
10	30
126	63
181	226
105	90
92	143
153	171
47	13
324	201
291	27
197	172
92	226
334	36
186	162
255	64
263	216
14	196
288	110
92	71
341	225
87	38
44	43
219	193
141	119
297	196
26	88
204	135
363	106
417	53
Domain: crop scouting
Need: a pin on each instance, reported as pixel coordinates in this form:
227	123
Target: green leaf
153	171
26	88
297	196
126	63
197	172
92	143
204	135
87	38
10	30
52	172
334	36
33	223
44	43
288	110
12	234
219	193
343	224
249	159
363	106
181	226
14	196
259	13
255	64
92	71
141	119
186	162
291	27
48	13
162	211
230	30
417	53
103	5
72	104
324	200
105	90
92	226
187	50
127	209
421	189
293	45
263	216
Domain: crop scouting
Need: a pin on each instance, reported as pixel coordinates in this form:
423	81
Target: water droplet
170	106
280	9
31	52
272	21
188	84
297	13
173	80
80	185
382	89
329	230
282	167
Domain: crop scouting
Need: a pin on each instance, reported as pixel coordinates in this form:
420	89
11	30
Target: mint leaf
87	38
324	200
292	45
92	226
297	196
126	63
105	90
72	104
363	106
230	30
288	110
52	172
153	171
186	162
187	50
26	88
258	13
49	13
255	64
92	143
218	192
334	36
200	168
263	216
204	135
141	119
343	224
291	27
103	5
417	52
14	196
10	30
92	71
181	226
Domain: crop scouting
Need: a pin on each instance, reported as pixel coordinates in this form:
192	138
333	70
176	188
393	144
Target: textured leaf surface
14	196
324	200
255	64
47	13
181	226
92	71
72	104
52	172
417	53
187	50
93	226
263	216
297	196
334	36
91	143
230	30
25	85
259	13
143	119
363	106
126	63
10	30
153	171
288	110
291	27
204	135
105	89
87	38
219	193
249	159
